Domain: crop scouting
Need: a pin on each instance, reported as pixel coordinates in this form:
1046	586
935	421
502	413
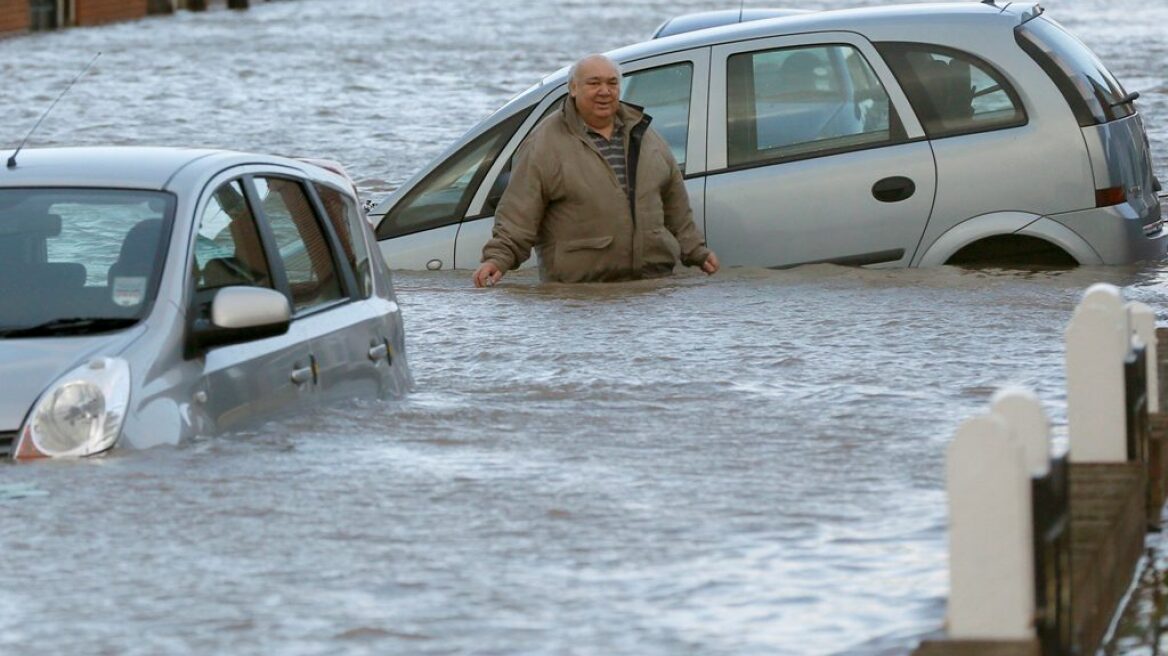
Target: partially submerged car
154	294
895	136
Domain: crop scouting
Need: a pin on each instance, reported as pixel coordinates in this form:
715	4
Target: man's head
594	84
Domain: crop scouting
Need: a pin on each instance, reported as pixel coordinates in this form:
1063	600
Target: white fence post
991	559
1098	339
1028	423
1143	323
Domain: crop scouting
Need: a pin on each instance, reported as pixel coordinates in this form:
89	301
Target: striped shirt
613	151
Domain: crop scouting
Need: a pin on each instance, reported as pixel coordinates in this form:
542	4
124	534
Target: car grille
7	444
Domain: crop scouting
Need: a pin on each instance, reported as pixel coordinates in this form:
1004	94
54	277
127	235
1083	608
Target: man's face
596	89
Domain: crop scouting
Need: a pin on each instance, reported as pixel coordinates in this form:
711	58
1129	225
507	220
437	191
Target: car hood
28	366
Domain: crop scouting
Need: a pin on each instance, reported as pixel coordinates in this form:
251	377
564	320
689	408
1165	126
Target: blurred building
24	15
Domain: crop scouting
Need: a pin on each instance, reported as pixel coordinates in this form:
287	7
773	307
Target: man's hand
710	266
488	274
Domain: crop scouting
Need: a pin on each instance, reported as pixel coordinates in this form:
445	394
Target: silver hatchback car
152	295
915	135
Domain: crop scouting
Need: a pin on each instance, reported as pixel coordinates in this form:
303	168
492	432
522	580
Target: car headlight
81	413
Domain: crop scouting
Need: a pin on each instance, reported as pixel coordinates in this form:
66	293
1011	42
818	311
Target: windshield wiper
1129	98
70	326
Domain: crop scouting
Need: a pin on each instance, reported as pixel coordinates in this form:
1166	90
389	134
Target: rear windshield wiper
70	326
1129	98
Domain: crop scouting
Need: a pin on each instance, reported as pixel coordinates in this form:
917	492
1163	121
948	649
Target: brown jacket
565	200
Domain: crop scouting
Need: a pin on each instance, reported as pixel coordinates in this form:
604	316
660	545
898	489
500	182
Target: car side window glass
228	250
443	196
304	250
798	102
953	92
665	94
349	227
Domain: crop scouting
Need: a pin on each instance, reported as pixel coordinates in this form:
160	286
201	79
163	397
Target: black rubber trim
877	257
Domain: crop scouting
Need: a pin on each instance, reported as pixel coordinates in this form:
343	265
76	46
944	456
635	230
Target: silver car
151	295
912	135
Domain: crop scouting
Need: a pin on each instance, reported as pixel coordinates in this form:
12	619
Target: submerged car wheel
1015	251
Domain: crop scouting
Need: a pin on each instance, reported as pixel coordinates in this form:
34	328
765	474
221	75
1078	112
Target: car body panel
250	382
753	231
1117	233
426	250
31	365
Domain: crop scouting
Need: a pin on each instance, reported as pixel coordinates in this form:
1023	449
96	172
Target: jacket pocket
584	244
661	247
582	260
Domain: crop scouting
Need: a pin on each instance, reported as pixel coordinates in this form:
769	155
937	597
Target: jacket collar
630	115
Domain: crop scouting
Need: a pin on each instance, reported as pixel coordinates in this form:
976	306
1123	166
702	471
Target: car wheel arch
1004	224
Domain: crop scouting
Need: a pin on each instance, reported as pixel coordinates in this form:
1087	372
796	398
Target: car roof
906	17
130	167
704	19
897	19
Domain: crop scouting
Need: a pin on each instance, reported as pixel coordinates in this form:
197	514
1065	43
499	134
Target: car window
228	250
1089	88
304	251
953	92
665	94
803	101
349	227
80	257
442	197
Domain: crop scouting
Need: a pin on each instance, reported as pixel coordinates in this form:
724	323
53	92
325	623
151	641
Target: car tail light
1109	196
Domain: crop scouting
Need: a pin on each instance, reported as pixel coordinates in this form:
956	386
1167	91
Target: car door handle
896	188
302	375
378	352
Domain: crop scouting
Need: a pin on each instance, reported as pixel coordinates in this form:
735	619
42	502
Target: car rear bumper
1119	233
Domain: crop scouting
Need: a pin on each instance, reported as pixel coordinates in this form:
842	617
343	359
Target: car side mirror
239	314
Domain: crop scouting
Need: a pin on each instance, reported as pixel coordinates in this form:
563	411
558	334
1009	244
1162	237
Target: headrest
39	224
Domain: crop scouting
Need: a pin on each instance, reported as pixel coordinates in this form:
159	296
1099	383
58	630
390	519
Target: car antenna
12	160
740	4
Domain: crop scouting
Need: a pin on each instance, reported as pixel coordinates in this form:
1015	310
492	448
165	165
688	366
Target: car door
814	155
329	308
366	342
673	90
243	383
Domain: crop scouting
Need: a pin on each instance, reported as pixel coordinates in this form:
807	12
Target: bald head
594	84
588	62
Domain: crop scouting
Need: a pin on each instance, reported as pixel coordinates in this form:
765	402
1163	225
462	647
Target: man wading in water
596	191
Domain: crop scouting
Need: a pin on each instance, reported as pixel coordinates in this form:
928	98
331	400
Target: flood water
745	464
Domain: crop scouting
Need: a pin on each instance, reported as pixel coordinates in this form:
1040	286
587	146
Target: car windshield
79	261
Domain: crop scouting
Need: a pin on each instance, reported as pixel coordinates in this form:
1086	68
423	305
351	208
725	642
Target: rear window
1090	89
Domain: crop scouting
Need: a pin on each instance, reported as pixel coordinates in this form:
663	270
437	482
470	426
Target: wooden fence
1043	548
